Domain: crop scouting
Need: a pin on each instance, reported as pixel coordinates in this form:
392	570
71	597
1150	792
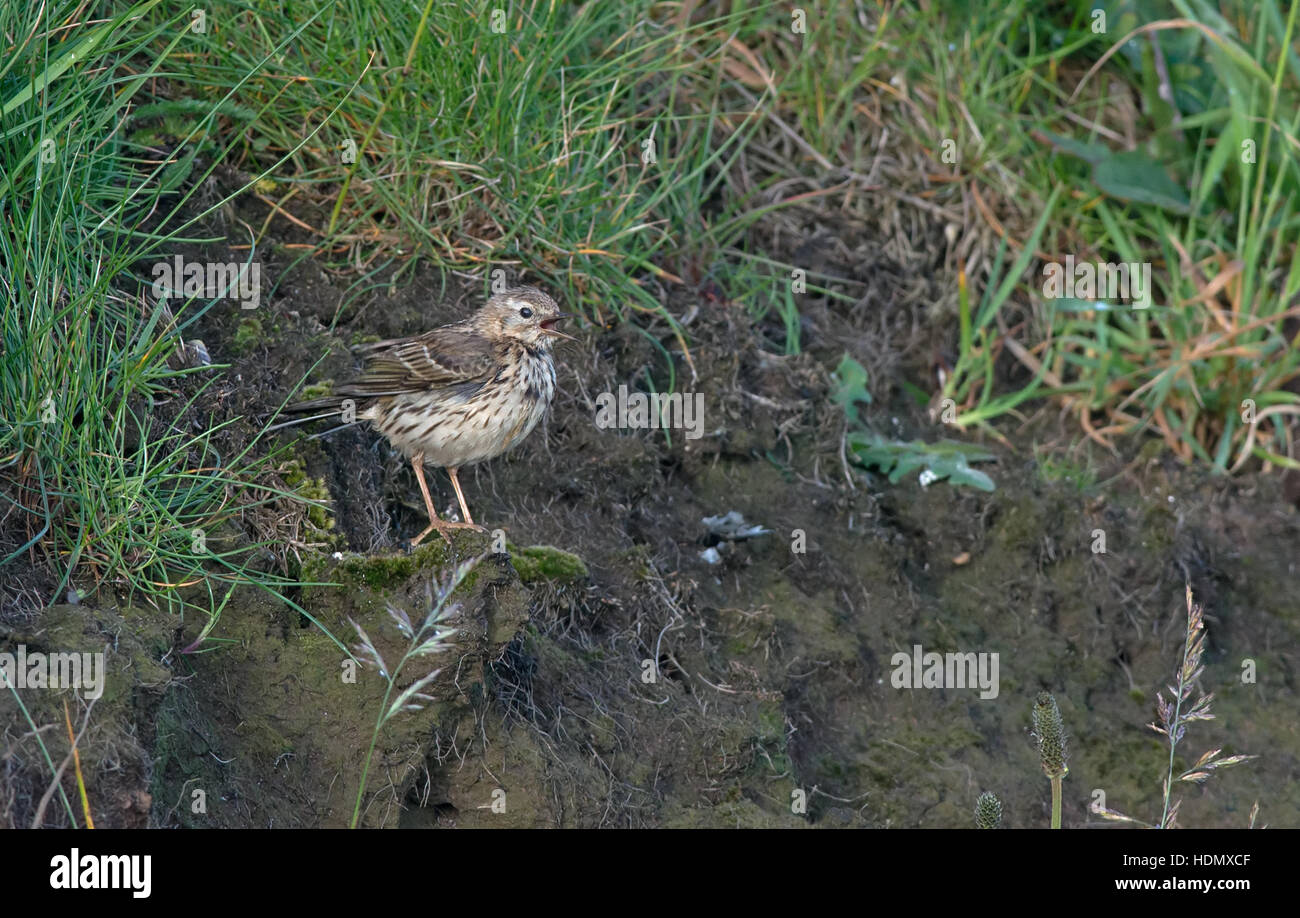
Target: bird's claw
442	527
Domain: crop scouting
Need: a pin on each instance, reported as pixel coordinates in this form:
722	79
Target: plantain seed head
1050	731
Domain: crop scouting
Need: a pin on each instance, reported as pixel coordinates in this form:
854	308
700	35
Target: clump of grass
1173	716
112	474
982	339
576	143
1202	186
1167	139
425	639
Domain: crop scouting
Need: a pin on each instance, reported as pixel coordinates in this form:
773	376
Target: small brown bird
459	394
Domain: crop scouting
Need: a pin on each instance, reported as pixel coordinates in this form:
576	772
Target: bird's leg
417	463
464	508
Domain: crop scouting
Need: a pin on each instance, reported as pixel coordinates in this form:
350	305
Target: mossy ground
548	563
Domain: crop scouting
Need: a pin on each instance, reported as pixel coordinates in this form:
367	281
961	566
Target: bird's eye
526	313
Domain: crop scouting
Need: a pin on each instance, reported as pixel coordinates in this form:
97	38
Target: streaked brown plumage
461	393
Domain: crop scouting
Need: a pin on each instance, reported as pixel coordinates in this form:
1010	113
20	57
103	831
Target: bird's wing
446	356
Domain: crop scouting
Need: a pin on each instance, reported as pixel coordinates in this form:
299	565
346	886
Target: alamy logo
53	671
1099	281
639	411
103	871
945	670
190	279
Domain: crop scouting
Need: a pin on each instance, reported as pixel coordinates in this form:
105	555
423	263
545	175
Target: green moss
376	572
247	335
1159	523
316	390
319	516
1020	526
310	489
544	562
149	137
130	690
1151	449
293	473
263	740
383	573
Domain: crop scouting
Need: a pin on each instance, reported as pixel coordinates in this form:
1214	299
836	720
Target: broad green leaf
947	460
1138	178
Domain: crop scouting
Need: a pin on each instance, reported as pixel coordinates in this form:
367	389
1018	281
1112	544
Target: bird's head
524	314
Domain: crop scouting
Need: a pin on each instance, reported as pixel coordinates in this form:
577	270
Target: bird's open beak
548	326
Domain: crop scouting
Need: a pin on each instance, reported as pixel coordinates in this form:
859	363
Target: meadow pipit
458	394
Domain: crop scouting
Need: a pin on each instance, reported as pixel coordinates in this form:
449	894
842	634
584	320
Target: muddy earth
617	662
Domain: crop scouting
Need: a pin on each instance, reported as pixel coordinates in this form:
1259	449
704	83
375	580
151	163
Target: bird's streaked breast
470	422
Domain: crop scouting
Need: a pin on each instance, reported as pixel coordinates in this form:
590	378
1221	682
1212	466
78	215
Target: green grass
520	150
1186	367
1221	243
993	111
111	476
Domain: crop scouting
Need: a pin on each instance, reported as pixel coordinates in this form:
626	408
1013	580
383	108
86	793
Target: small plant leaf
945	460
851	387
1133	176
965	475
1128	175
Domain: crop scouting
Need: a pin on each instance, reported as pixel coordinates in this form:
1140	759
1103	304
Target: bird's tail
328	406
330	402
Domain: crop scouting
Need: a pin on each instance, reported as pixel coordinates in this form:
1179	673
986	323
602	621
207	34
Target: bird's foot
442	527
